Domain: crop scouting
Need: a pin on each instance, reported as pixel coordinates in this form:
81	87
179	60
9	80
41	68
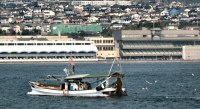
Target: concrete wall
107	54
191	52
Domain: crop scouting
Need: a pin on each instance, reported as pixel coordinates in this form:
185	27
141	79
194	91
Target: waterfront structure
155	44
42	49
191	52
106	47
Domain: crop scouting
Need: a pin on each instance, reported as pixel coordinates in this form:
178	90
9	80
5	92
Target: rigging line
108	74
111	67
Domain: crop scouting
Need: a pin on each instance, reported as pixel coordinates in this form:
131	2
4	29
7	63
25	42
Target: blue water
167	85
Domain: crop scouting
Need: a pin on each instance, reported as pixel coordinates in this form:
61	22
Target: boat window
1	43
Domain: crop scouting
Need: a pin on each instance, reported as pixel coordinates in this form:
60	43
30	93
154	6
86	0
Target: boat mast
70	69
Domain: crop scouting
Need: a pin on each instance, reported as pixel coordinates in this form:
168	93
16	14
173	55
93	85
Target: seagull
192	74
144	88
148	82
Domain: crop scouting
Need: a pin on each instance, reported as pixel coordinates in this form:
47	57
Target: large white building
49	50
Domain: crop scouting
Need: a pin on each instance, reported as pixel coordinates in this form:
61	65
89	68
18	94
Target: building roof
28	39
136	32
180	32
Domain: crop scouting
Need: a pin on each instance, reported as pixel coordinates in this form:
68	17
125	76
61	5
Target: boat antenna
111	67
72	64
120	67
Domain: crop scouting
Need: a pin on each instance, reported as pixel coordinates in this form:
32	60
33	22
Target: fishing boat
80	85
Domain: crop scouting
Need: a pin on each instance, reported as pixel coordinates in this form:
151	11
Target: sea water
151	85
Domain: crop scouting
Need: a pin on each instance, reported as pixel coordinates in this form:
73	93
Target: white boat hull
79	93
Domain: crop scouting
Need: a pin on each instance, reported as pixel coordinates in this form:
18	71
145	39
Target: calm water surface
150	86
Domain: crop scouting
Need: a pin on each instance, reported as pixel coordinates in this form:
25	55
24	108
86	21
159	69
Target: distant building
155	44
106	47
42	49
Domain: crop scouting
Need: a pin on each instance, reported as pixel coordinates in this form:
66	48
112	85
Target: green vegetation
107	32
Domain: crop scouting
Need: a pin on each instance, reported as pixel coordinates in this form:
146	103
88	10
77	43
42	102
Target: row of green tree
23	32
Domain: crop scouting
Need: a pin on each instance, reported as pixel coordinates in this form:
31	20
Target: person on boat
80	86
118	87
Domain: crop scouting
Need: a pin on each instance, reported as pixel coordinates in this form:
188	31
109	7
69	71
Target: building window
39	43
99	48
20	44
10	43
58	43
30	44
49	43
67	43
87	43
77	43
111	48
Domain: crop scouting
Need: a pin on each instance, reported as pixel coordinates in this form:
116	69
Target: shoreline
102	61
